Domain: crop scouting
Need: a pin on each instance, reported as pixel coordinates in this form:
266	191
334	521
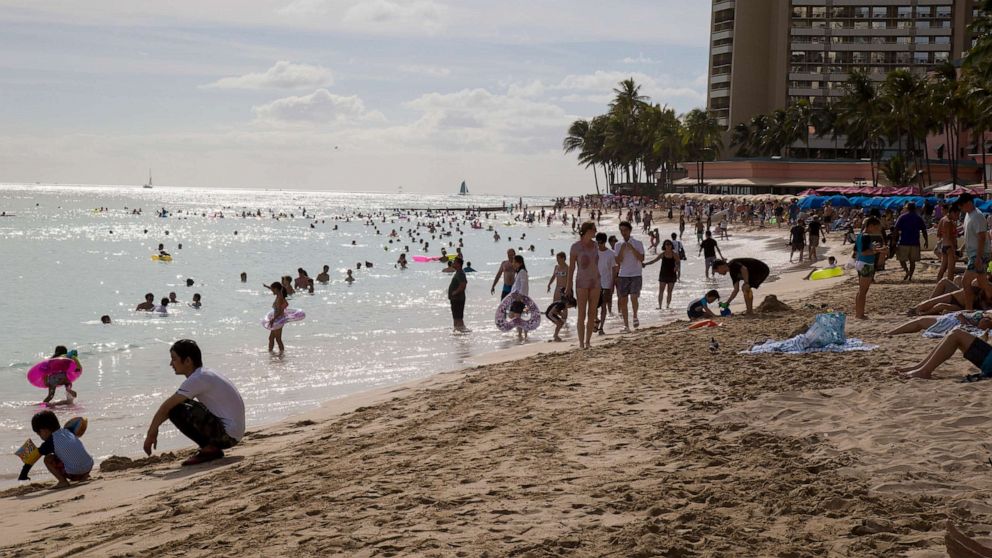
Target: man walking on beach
976	248
607	273
709	249
456	295
910	227
206	408
947	230
508	274
630	258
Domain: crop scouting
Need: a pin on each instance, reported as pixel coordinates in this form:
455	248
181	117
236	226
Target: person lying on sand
950	302
971	319
975	350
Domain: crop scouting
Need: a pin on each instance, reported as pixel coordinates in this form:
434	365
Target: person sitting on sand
974	350
148	305
699	308
206	408
831	263
970	319
746	274
324	276
65	456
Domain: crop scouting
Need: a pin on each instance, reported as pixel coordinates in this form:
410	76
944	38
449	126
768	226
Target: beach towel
826	335
948	323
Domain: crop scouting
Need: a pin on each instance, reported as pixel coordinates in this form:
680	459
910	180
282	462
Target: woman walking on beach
671	270
279	306
583	266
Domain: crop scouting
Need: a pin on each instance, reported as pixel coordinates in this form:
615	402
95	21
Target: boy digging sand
558	313
65	456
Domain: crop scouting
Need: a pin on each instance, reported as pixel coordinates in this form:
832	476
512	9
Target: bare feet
61	485
918	374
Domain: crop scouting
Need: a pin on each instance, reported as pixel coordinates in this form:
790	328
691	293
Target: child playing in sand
558	313
65	456
55	380
699	308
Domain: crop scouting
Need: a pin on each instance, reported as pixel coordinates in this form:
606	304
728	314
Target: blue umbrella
858	201
839	201
812	202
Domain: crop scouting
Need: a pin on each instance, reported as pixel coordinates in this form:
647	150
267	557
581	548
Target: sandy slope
646	446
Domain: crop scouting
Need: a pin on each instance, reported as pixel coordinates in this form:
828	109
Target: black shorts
978	354
458	308
605	297
755	279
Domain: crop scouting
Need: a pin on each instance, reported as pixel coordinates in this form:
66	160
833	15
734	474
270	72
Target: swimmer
324	276
402	261
349	278
244	277
161	249
148	305
468	268
172	298
105	319
196	301
287	285
189	282
302	279
310	286
161	308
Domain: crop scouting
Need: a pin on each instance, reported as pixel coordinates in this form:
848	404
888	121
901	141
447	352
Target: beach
647	445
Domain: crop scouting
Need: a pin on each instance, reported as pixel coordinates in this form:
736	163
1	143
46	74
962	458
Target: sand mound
772	304
118	463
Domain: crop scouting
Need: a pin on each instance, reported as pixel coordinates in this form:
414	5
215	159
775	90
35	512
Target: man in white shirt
215	420
607	274
976	248
630	258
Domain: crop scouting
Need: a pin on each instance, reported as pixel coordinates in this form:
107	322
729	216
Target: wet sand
647	445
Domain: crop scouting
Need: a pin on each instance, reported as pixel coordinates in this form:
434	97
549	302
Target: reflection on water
65	269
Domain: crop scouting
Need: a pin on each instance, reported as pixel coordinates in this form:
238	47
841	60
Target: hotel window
922	40
879	12
859	57
924	11
904	24
878	25
818	12
818	24
903	57
861	25
798	56
922	24
799	11
842	12
941	57
903	40
921	57
943	12
905	12
878	58
942	40
862	12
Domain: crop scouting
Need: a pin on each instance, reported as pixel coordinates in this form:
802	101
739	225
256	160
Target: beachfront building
768	54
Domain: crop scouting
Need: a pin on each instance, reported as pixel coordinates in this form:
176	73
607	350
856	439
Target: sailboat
149	185
463	191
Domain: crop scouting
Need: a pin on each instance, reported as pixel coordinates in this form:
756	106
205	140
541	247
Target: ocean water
66	264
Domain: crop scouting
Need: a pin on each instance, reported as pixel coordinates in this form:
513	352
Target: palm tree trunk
595	176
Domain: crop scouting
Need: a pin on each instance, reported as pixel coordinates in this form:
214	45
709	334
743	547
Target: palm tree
950	107
575	140
741	139
800	119
858	116
701	138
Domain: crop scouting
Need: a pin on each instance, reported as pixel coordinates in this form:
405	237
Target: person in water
162	308
349	278
105	319
196	301
279	306
324	276
468	268
558	314
456	296
148	305
244	277
53	381
172	298
401	262
206	408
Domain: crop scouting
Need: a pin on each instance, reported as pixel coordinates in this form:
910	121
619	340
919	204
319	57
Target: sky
345	95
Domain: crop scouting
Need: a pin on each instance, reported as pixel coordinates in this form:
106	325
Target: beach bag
827	329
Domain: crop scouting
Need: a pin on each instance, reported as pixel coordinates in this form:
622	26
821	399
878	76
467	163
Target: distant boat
149	185
463	191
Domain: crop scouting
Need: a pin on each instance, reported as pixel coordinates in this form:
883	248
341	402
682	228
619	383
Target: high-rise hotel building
766	54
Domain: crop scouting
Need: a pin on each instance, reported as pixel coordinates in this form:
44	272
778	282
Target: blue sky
329	94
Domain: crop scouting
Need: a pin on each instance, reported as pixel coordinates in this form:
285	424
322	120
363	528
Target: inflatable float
528	321
423	259
827	273
290	315
54	370
158	258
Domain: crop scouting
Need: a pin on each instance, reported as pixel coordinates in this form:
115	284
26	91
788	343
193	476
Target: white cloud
304	8
598	86
283	75
639	59
319	107
432	71
423	15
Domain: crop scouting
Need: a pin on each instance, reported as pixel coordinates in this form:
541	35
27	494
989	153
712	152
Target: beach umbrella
839	201
812	202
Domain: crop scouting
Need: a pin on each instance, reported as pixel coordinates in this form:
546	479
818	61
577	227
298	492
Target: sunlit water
63	269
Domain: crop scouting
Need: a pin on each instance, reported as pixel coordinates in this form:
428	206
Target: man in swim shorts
148	305
206	408
746	274
630	258
508	274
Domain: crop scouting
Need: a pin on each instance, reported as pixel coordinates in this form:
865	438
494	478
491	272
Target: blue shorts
506	291
971	265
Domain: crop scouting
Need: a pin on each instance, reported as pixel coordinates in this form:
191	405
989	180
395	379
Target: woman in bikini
583	267
279	306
